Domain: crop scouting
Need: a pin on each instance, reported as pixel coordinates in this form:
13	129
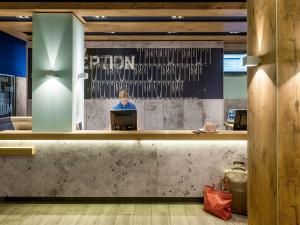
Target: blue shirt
128	106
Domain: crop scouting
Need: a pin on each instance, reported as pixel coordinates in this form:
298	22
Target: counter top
123	135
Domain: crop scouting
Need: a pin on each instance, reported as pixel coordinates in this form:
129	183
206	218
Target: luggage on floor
235	182
217	202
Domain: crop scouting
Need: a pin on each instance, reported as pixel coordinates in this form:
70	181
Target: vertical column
288	59
262	115
58	52
274	113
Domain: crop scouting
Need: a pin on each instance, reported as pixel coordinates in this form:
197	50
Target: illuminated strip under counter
123	135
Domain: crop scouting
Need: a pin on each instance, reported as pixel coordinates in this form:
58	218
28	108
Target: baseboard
101	199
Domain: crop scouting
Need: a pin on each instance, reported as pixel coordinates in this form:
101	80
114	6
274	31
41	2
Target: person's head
123	96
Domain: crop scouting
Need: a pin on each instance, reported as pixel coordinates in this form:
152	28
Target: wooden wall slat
262	106
288	112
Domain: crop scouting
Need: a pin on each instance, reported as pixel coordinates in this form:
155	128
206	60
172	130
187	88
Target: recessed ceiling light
100	17
176	17
23	17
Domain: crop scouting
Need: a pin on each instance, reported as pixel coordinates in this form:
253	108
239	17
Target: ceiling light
23	17
172	32
234	32
177	17
251	61
100	17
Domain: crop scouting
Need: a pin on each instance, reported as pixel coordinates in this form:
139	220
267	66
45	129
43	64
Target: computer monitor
231	115
240	120
123	119
79	125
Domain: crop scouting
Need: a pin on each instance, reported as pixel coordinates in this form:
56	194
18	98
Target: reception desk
116	163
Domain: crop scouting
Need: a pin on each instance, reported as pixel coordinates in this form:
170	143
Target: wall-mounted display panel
7	95
233	63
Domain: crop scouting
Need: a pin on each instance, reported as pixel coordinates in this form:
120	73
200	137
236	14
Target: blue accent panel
12	55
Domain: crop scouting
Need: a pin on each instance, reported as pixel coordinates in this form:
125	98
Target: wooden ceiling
226	29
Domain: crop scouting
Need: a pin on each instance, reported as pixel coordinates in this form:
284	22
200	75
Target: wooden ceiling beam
127	8
166	27
122	5
134	13
131	9
82	20
225	38
17	26
144	26
164	13
10	12
235	47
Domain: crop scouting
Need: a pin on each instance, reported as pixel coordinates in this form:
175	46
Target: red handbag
217	203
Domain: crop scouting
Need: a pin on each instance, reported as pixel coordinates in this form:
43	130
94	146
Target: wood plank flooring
110	214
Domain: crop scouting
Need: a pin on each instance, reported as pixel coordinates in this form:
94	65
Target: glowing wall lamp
83	76
251	61
49	73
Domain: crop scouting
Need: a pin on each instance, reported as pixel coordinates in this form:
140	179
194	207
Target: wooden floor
110	214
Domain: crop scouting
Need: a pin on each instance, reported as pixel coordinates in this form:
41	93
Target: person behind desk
124	103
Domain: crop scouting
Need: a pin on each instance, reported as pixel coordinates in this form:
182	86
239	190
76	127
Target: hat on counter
209	127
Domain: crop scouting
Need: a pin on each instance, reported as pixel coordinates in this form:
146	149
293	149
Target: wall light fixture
49	73
251	61
83	76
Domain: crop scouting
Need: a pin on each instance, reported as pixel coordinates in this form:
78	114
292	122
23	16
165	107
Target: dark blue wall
12	55
156	73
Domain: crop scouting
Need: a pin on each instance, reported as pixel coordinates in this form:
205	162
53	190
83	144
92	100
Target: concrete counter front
117	164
